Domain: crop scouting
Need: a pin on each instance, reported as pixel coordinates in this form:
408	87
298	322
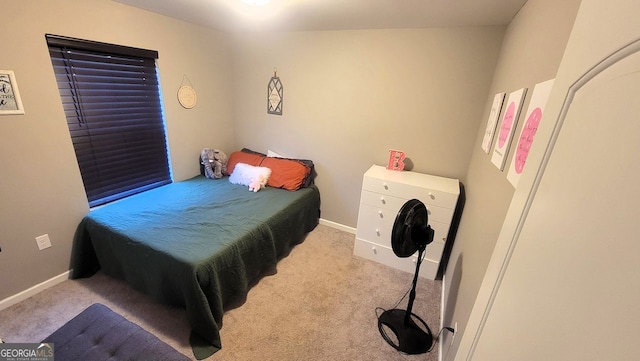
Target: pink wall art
533	117
507	127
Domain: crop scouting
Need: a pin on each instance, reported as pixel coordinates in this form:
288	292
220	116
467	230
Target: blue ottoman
98	333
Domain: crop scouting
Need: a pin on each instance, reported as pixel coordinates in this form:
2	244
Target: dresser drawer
385	255
434	250
376	226
382	200
394	204
407	191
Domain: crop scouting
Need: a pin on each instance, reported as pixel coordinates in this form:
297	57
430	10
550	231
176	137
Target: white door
566	284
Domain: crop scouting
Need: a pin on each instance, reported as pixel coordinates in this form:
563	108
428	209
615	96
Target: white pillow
273	154
244	174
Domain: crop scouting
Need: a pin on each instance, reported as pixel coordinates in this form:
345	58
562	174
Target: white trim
19	297
339	226
442	293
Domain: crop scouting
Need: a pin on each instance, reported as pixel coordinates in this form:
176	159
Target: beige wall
350	96
40	188
533	47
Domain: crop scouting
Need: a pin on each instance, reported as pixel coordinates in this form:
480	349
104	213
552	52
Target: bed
199	243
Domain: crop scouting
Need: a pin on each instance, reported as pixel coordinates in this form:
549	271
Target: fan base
411	338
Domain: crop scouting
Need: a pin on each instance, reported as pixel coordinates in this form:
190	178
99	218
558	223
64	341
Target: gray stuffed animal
214	162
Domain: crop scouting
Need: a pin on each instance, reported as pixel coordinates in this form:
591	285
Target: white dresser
383	194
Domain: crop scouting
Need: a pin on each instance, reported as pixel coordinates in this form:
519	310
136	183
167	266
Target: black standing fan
411	232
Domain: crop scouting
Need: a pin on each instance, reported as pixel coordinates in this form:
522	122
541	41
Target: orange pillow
242	157
286	173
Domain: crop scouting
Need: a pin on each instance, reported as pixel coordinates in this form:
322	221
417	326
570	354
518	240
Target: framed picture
507	127
533	117
274	96
498	99
10	102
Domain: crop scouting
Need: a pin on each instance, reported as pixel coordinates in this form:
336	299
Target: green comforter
198	243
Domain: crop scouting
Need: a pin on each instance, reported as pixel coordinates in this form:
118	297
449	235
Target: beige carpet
320	305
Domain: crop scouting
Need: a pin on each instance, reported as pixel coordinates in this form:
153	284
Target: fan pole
412	294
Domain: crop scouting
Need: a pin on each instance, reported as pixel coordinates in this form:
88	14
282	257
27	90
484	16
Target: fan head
411	230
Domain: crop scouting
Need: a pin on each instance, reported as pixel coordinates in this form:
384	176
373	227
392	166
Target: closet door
569	286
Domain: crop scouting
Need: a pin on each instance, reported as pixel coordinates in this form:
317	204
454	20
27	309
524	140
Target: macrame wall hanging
274	95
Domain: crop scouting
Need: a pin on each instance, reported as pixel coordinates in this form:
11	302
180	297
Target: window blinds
111	99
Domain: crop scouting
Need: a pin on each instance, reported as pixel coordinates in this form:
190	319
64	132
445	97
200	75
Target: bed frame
198	244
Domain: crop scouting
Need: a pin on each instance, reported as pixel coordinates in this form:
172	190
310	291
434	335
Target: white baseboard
442	289
19	297
339	226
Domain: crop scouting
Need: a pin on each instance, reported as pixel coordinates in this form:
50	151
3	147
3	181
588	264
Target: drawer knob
374	250
380	214
377	232
432	196
383	200
385	186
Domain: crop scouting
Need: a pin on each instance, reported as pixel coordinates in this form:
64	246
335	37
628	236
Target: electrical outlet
43	241
455	330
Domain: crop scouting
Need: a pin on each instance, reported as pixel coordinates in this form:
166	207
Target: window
111	98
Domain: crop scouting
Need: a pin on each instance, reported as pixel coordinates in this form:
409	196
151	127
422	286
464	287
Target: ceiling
313	15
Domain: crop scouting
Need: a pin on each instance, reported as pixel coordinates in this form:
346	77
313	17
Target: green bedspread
198	243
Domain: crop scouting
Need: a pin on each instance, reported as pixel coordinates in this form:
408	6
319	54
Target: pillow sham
286	173
243	157
308	181
247	150
273	154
